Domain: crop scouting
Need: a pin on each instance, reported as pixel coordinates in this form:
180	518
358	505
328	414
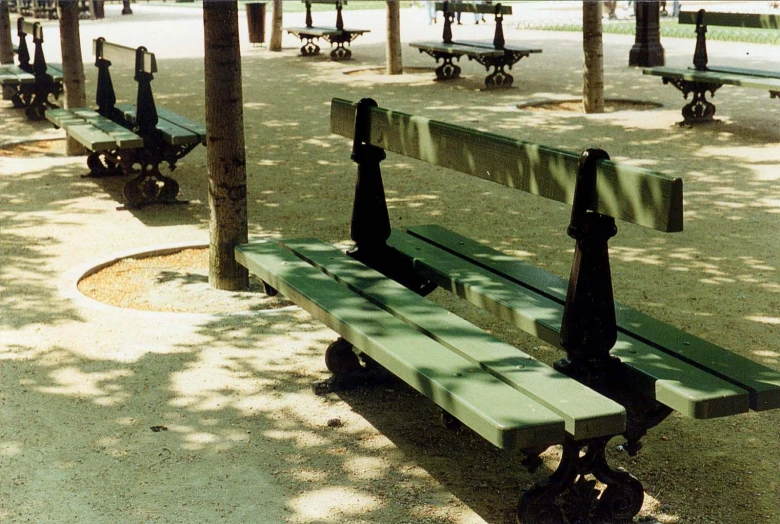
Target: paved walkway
82	383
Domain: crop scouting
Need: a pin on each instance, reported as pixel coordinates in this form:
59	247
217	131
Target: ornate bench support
699	110
588	333
309	48
619	502
448	70
500	77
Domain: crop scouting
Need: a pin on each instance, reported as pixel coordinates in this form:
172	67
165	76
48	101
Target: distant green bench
624	371
337	34
703	78
498	54
31	86
121	136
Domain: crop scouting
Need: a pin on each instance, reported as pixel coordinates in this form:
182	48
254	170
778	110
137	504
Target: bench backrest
628	193
754	20
144	64
450	8
337	3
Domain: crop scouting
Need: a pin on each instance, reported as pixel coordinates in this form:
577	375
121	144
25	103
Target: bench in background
703	78
31	86
498	54
334	34
623	373
122	136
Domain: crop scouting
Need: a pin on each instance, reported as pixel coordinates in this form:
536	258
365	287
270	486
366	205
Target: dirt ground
192	405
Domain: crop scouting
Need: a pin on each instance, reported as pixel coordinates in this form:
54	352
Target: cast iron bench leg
309	47
620	501
699	110
340	52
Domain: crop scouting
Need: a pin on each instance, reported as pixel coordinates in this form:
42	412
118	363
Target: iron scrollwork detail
699	109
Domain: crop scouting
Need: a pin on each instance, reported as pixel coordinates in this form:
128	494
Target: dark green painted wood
629	193
125	139
454	48
755	20
508	46
186	123
714	77
671	381
743	71
455	7
592	415
92	130
312	31
498	412
763	383
171	133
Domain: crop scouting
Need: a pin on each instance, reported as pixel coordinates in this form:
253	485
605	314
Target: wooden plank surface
671	381
508	46
762	382
498	412
116	54
744	71
455	7
755	20
457	49
125	139
629	193
714	77
312	31
171	133
175	118
591	416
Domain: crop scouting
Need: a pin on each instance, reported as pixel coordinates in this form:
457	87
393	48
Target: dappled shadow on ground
234	393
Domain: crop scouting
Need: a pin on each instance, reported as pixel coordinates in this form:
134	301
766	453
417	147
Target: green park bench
703	77
337	34
121	136
498	54
624	372
31	86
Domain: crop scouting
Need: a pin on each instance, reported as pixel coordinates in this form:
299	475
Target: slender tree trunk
91	7
395	64
225	143
275	43
6	38
593	63
72	65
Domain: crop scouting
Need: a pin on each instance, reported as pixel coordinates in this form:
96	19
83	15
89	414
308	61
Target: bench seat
688	374
12	75
715	77
508	46
505	395
743	71
175	129
457	49
94	131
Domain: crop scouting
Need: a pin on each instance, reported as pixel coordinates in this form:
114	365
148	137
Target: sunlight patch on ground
332	502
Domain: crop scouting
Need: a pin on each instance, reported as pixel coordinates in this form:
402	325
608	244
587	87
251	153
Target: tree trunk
6	38
225	144
91	8
275	44
395	64
72	65
593	63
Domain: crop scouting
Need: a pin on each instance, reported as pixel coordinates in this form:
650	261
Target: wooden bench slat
499	413
743	71
680	386
312	31
455	48
755	20
455	7
116	53
592	416
172	133
175	118
763	383
14	75
91	137
714	77
629	193
125	139
508	46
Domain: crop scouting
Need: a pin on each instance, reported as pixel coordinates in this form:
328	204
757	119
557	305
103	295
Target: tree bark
395	64
593	62
225	144
275	43
6	37
72	65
